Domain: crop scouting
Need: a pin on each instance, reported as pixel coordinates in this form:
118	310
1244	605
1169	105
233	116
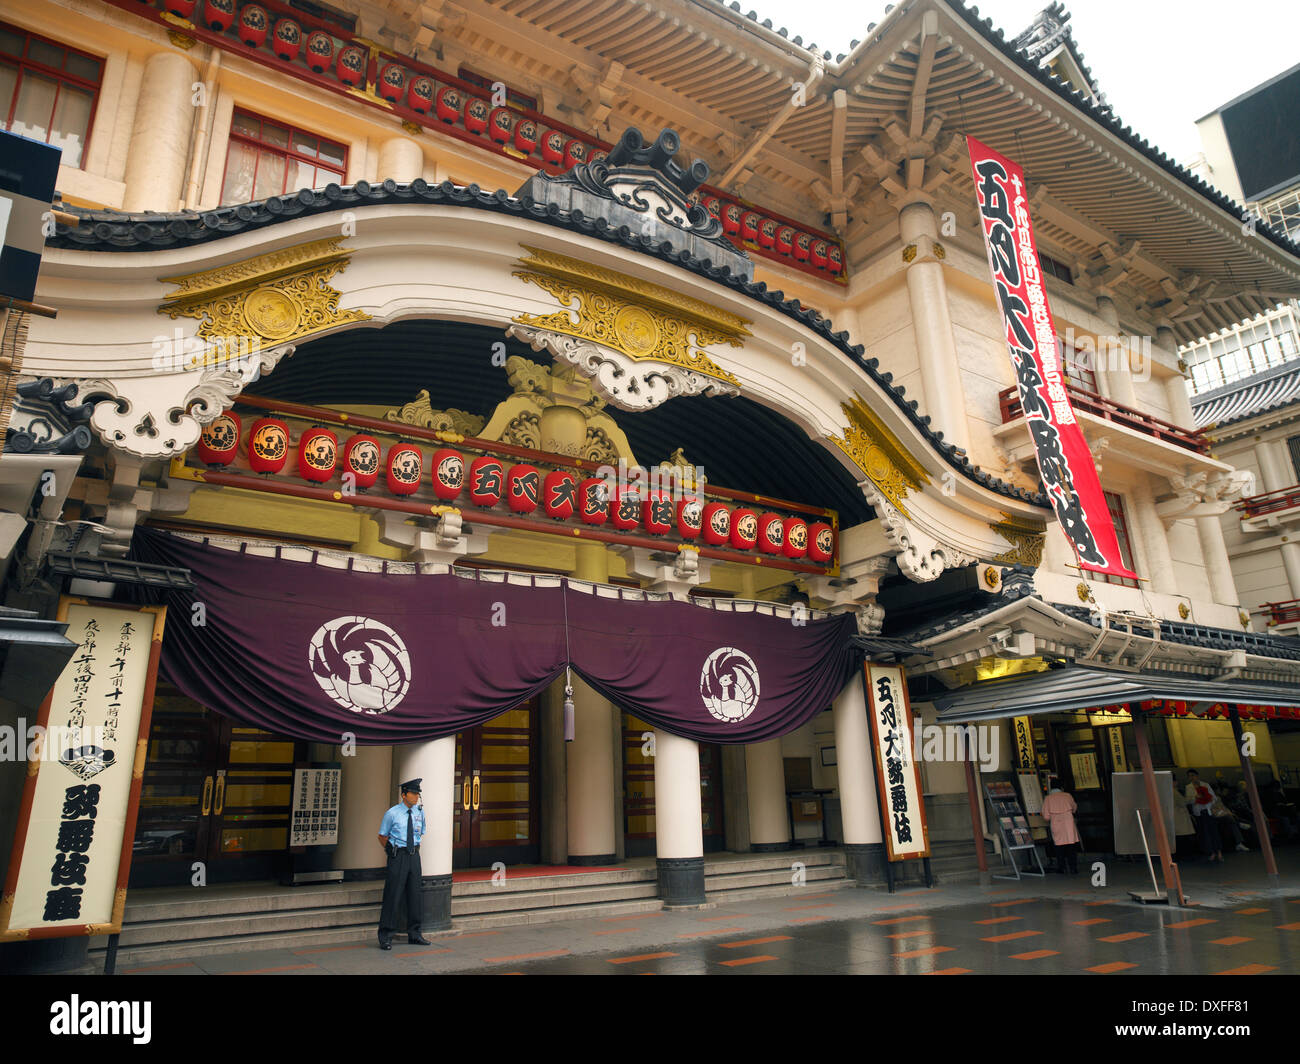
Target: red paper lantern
286	40
785	239
419	95
268	445
712	204
627	510
657	513
183	8
744	529
821	542
486	480
318	454
593	494
690	518
796	538
526	135
559	494
575	152
771	534
361	456
716	524
802	246
523	488
219	441
253	25
448	104
749	225
731	219
835	259
597	157
501	124
767	233
819	250
553	147
476	114
351	65
219	15
320	51
448	474
405	469
392	83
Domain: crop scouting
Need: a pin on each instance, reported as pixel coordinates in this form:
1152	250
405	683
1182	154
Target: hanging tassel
568	706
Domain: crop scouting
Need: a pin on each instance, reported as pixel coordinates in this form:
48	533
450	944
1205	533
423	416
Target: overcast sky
1161	63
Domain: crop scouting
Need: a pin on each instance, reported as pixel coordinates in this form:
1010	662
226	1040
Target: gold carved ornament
644	321
880	454
1027	538
270	299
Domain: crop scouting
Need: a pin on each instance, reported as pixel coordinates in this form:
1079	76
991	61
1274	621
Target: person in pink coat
1058	811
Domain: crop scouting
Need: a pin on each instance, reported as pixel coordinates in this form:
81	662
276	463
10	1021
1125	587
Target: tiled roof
1270	390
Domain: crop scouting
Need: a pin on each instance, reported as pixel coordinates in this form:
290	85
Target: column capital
675	576
441	540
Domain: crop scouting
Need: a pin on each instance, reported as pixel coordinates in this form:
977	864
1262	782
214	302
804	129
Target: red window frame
288	153
1076	373
1115	504
61	77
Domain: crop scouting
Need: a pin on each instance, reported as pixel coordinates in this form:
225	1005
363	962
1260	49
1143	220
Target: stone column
1154	540
769	818
160	136
1118	375
864	850
1209	531
401	159
927	292
679	827
435	764
1275	474
1180	403
1291	563
364	794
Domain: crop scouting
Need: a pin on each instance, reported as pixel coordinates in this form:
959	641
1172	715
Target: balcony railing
1270	502
1107	409
1287	612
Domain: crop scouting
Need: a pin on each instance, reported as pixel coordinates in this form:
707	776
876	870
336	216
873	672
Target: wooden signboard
897	774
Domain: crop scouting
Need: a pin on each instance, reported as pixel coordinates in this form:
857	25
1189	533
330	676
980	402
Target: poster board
1083	768
898	777
1128	793
1023	735
1031	792
314	820
76	821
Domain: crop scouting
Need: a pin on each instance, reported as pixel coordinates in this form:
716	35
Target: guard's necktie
410	831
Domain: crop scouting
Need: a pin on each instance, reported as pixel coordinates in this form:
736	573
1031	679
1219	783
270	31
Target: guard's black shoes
385	945
419	940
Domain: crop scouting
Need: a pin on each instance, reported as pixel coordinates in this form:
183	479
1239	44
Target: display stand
1005	810
1155	895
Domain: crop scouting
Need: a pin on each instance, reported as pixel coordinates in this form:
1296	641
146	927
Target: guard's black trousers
404	879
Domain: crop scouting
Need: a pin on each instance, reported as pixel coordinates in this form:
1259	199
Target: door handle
206	807
464	795
220	803
476	791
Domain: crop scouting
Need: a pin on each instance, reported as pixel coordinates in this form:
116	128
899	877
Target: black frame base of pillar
45	956
769	847
591	859
681	880
865	862
437	903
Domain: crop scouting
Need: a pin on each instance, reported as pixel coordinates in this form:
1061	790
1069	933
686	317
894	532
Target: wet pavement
1243	924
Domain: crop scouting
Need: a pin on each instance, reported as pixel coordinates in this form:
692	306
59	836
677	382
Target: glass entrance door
496	808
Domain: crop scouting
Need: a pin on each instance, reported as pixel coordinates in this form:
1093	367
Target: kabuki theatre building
631	421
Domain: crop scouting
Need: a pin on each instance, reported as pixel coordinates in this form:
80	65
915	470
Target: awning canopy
1077	687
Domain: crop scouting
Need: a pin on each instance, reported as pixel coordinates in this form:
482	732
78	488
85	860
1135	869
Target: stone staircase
169	924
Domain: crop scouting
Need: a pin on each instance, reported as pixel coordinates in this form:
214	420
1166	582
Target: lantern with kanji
501	124
731	219
819	251
690	518
796	538
627	509
712	204
486	481
219	441
447	105
767	233
392	82
749	225
286	40
320	51
771	534
268	445
553	147
559	494
351	65
821	542
785	239
318	454
744	529
448	474
526	135
476	114
361	456
575	152
593	497
523	488
253	25
219	15
419	95
182	8
405	468
835	259
716	524
657	513
802	246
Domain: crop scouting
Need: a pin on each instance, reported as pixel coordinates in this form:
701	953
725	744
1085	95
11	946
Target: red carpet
477	875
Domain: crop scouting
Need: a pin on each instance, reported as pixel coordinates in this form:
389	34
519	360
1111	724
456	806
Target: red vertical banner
1065	464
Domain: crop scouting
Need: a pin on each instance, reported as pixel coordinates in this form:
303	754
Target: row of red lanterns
772	235
525	489
1168	708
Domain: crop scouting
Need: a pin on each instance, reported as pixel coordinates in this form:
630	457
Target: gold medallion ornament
271	314
880	454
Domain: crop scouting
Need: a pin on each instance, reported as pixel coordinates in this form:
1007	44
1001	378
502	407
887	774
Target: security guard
400	832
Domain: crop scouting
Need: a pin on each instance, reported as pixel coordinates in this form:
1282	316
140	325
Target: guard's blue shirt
394	824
